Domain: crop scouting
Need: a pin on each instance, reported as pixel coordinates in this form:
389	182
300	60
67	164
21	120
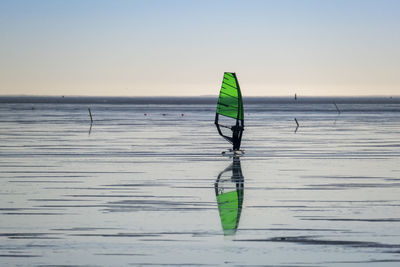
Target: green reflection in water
229	191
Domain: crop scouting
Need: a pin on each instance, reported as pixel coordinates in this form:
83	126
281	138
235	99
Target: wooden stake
90	114
297	127
296	122
338	110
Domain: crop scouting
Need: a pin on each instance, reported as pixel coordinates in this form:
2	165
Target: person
236	136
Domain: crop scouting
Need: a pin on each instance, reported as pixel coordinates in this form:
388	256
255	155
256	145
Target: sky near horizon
182	48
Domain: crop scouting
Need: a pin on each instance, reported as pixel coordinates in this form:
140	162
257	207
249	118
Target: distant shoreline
195	100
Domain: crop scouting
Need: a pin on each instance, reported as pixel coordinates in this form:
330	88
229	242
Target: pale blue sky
148	48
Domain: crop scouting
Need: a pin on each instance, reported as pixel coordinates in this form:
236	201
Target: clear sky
182	48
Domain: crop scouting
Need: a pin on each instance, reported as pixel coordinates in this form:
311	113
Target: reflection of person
229	192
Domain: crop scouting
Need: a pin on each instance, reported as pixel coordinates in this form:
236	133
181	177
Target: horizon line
193	100
207	96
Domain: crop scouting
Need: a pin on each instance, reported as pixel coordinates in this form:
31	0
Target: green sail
230	98
230	206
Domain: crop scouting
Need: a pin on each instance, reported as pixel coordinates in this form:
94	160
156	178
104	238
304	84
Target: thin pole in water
90	114
91	121
338	110
297	127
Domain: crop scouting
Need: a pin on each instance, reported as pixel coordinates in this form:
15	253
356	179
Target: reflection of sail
229	191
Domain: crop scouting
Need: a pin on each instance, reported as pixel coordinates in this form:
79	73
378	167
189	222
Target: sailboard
229	191
229	116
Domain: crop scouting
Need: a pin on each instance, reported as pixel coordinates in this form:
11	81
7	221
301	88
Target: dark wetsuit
236	137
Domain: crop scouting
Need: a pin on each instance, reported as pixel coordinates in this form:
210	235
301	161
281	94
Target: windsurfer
236	136
230	105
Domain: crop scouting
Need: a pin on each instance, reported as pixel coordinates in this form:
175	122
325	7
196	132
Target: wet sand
139	190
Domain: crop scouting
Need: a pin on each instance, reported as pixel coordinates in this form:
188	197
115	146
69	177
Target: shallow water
135	189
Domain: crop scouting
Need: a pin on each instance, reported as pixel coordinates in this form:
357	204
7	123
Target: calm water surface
154	189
